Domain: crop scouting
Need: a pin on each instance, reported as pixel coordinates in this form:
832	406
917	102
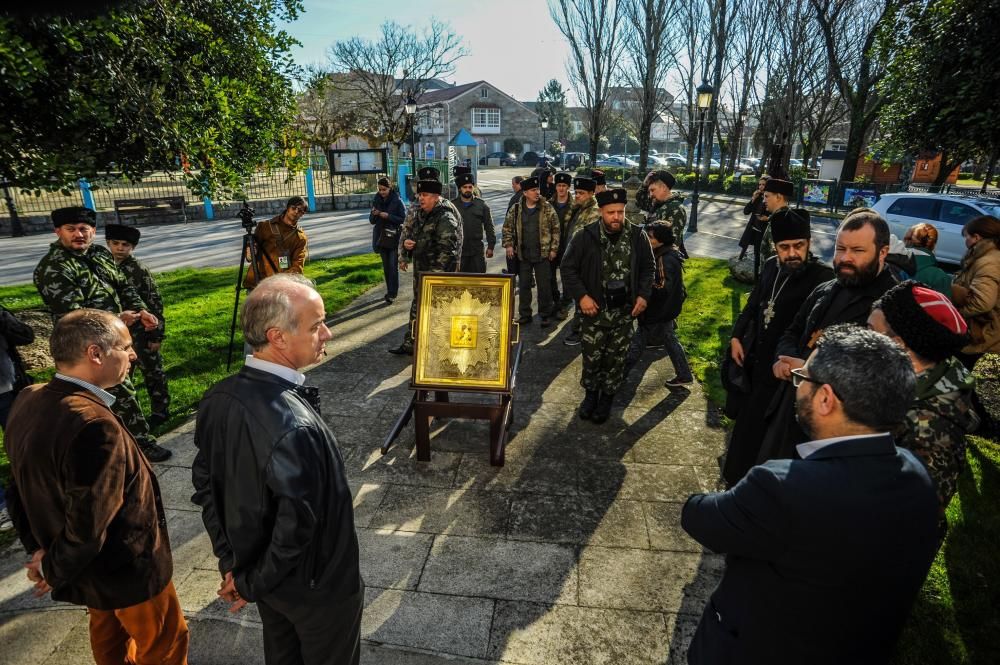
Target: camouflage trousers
408	336
605	348
155	379
127	408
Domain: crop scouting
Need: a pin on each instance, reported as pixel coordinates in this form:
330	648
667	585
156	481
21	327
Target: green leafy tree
941	86
551	105
513	146
199	84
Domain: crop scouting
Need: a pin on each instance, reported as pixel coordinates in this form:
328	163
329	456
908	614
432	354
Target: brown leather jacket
81	489
277	242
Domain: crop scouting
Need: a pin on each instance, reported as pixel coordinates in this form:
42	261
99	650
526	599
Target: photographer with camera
608	271
281	244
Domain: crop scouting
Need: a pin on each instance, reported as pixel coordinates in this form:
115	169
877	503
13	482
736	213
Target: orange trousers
150	633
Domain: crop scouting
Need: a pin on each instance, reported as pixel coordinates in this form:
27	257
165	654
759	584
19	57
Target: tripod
249	247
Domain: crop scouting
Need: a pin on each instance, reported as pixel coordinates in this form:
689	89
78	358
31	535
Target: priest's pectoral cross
768	313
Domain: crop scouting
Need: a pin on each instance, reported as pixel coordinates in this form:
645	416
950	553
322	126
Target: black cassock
828	305
764	323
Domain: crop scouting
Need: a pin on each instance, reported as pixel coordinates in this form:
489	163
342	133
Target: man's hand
409	244
510	252
384	215
640	306
149	321
489	253
736	351
128	317
588	306
35	574
784	366
553	254
154	346
227	591
403	265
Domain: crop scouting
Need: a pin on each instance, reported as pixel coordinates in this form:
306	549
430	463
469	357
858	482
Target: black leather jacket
274	495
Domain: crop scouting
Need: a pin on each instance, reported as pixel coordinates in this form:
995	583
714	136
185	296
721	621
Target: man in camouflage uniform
608	270
76	274
777	194
584	212
432	243
412	212
666	206
562	203
928	326
122	241
477	222
531	232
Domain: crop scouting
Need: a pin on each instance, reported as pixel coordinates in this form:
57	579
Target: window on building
484	93
485	119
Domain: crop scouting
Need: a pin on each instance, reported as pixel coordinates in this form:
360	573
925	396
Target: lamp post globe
545	126
705	94
411	112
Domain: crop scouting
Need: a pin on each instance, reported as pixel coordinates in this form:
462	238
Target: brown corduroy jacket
82	490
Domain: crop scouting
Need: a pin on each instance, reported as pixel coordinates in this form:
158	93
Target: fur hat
598	176
430	186
428	173
925	320
129	234
610	196
530	182
666	177
464	179
563	178
586	184
74	215
783	187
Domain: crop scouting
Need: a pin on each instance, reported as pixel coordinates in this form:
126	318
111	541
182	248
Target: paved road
217	243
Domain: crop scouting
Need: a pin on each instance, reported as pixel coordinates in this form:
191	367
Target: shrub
513	145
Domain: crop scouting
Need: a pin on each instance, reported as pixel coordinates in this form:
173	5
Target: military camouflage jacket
580	216
141	280
672	211
406	232
69	280
548	227
936	424
438	237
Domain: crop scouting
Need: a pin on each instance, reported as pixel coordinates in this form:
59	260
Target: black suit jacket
824	556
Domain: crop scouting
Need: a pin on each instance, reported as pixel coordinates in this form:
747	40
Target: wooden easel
499	414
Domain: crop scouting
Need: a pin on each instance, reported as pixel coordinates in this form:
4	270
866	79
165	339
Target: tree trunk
989	173
945	169
855	142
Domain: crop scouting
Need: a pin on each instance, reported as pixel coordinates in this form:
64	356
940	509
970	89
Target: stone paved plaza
572	553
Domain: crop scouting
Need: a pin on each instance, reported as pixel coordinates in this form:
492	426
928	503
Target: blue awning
463	139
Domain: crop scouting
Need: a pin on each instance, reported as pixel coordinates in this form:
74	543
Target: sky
513	44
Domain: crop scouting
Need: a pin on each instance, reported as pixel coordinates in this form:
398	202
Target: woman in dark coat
753	233
387	216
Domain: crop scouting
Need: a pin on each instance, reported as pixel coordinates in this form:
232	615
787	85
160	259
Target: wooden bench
134	212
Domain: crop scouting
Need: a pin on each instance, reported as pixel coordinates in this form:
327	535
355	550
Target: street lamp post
545	126
411	113
705	93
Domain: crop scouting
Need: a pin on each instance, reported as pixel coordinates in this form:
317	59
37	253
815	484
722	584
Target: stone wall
516	121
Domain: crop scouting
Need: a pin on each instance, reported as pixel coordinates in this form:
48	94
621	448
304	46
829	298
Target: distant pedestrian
122	241
282	245
562	202
386	218
921	239
477	221
777	196
531	233
585	211
753	232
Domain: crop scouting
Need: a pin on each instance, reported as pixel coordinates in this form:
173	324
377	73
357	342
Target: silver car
947	213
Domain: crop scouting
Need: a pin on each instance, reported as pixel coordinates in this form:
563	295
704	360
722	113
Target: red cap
939	308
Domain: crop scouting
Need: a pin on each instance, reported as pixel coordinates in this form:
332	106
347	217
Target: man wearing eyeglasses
824	554
281	244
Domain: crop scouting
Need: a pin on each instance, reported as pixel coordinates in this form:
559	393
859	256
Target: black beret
925	320
428	173
666	177
74	215
563	178
529	183
459	170
782	187
609	196
598	176
790	225
129	234
586	184
464	179
430	186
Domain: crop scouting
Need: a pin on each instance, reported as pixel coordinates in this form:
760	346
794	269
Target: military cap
792	225
460	170
586	184
428	173
129	234
782	187
529	183
598	176
666	177
430	186
563	178
74	215
610	196
464	179
925	320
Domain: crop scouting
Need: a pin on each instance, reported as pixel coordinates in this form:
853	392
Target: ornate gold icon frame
463	328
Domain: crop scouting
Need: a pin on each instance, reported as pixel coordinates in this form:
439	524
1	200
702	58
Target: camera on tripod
246	214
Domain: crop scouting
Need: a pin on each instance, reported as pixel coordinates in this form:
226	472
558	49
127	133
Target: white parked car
947	213
617	161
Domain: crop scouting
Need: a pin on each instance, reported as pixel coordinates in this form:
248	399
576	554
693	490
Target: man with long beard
859	263
786	281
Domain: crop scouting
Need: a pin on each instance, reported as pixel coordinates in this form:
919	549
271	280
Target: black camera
246	214
616	294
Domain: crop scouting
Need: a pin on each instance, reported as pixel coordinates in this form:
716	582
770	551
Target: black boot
588	404
603	409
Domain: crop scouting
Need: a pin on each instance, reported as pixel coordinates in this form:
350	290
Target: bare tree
326	112
849	29
689	69
593	30
722	16
822	109
370	69
651	42
749	41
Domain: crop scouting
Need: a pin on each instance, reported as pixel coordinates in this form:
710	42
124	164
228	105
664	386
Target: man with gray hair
824	554
271	483
86	503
